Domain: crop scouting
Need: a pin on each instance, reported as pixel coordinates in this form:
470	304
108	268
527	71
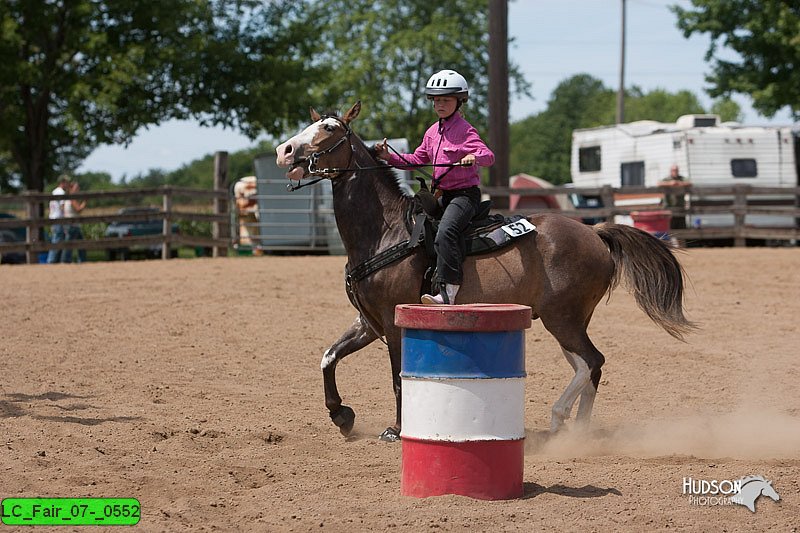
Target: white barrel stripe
458	410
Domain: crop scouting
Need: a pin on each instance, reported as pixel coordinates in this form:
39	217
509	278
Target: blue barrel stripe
459	354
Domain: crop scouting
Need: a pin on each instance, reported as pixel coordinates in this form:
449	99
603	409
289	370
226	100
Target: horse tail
651	272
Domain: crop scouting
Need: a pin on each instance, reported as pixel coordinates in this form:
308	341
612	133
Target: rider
451	140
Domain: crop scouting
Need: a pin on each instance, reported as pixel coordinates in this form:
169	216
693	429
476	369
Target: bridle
323	173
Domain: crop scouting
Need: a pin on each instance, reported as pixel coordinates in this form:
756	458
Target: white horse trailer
707	153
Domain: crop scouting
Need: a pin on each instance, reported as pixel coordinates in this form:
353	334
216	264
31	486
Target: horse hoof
344	418
390	434
557	426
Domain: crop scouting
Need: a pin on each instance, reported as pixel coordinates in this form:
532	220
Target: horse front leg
355	338
392	433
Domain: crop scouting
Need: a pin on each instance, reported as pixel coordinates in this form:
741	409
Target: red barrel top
469	317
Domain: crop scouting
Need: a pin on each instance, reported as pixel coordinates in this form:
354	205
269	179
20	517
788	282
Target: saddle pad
489	238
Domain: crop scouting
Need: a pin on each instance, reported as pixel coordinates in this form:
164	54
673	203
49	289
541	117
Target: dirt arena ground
194	386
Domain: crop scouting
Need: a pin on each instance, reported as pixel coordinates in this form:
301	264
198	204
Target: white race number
519	228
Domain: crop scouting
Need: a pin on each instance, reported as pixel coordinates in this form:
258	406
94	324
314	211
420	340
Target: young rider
451	140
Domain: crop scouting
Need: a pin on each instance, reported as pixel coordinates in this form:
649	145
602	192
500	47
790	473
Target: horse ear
353	113
314	115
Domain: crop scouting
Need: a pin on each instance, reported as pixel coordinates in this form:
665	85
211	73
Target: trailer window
589	159
632	174
744	168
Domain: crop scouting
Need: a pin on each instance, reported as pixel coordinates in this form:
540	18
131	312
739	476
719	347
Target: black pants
459	208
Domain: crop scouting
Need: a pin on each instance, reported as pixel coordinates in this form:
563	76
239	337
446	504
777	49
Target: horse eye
329	128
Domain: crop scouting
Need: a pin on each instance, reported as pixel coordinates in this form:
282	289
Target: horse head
751	488
769	491
321	149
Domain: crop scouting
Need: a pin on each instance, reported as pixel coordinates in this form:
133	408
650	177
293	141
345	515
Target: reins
325	173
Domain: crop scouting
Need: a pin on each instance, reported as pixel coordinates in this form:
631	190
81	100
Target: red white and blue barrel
463	379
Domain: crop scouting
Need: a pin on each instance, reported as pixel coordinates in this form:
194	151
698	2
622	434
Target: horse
562	270
751	488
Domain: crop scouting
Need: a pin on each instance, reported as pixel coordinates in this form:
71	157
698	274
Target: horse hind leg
587	364
563	407
356	337
588	395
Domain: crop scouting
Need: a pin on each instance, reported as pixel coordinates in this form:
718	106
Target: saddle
483	235
486	233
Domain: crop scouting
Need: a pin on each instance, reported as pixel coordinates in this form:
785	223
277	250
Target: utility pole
498	97
621	90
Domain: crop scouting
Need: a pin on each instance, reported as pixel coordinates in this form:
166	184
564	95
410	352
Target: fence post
797	206
607	197
739	211
220	230
31	230
166	248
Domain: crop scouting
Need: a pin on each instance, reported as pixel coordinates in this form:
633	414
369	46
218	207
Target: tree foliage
540	144
80	73
383	51
765	38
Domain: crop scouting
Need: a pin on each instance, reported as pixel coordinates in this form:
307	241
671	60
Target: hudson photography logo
744	491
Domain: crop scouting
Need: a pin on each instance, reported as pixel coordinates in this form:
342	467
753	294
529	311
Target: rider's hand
468	160
381	149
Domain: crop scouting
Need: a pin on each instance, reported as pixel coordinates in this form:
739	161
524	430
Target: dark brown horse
561	273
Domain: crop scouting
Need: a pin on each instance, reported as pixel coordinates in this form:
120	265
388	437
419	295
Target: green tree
659	105
383	51
727	109
763	34
95	181
540	144
79	73
9	177
663	106
199	173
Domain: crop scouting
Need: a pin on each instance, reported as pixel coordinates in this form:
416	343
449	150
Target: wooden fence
32	204
739	204
735	208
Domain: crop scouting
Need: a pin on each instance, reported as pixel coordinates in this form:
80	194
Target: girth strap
375	263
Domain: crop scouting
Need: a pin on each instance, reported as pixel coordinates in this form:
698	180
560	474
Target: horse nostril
288	149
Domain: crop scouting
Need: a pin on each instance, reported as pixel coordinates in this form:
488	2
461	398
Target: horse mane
749	479
386	170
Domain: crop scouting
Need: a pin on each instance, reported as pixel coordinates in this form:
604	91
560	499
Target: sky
552	40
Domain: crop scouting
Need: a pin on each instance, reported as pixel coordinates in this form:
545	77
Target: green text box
70	511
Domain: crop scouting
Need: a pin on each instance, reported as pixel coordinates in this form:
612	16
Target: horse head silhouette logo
752	488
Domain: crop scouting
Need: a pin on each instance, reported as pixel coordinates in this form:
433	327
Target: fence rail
739	212
713	213
33	205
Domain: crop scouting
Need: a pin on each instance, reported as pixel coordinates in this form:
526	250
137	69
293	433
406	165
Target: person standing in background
247	208
675	200
73	232
56	214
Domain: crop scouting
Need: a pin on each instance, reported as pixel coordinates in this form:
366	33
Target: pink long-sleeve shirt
458	139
